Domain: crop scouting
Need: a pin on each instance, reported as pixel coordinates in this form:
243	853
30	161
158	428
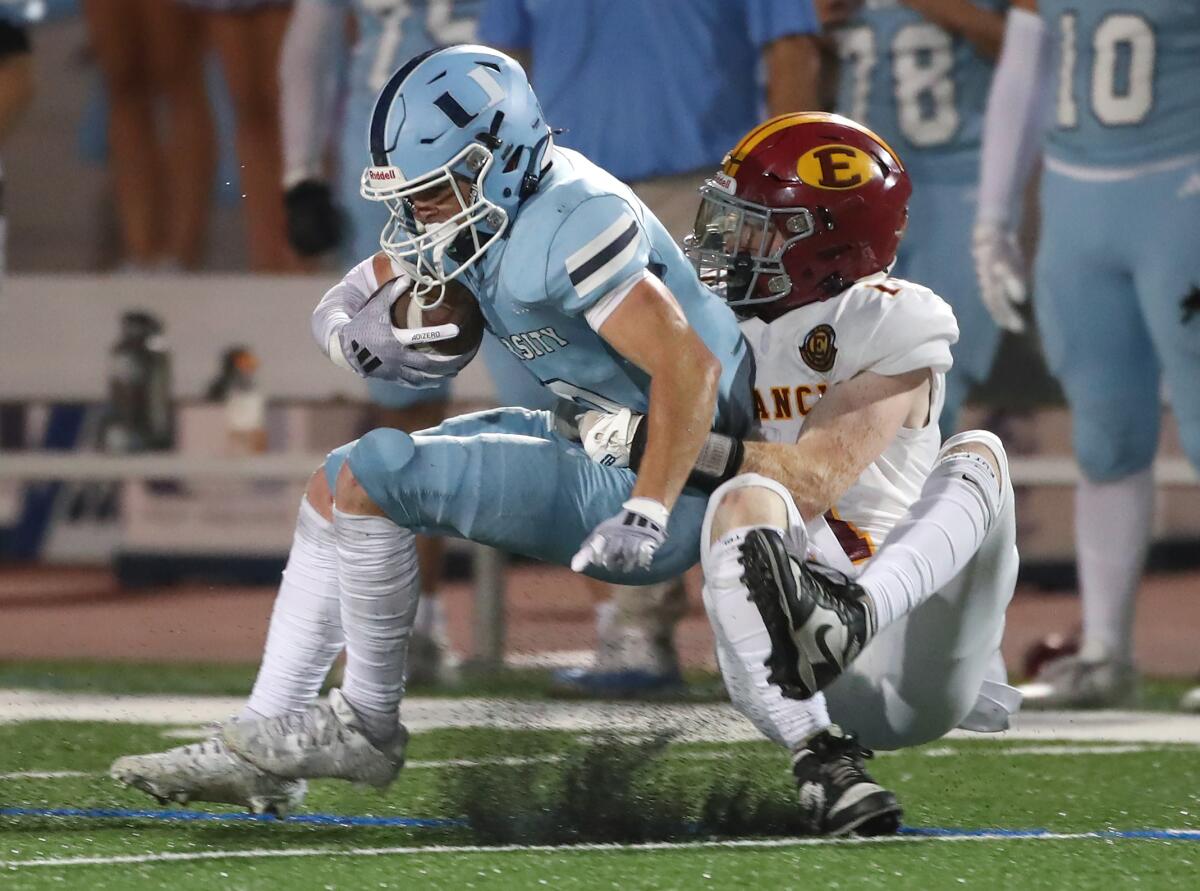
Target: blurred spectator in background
656	94
16	70
148	53
917	73
247	36
16	90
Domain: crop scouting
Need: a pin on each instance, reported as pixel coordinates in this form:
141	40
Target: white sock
377	572
938	536
305	634
1113	525
743	646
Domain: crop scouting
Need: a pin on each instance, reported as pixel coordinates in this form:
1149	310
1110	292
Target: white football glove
372	347
608	438
1001	270
627	541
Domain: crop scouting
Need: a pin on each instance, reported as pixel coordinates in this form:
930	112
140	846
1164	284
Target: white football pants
928	672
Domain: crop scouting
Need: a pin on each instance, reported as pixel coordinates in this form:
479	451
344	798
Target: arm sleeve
769	20
308	60
505	24
904	332
599	247
1016	118
340	304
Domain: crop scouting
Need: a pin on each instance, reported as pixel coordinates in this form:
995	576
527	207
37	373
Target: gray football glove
374	348
627	541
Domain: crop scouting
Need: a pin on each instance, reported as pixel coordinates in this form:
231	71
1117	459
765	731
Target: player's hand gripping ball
457	307
392	338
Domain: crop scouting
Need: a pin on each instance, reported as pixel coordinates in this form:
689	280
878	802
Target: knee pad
1109	449
743	481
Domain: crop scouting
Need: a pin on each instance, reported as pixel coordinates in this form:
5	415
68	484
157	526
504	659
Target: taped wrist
719	460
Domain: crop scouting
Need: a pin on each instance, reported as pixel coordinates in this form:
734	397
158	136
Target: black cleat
837	795
818	623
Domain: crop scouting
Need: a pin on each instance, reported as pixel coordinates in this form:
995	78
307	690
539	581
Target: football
458	307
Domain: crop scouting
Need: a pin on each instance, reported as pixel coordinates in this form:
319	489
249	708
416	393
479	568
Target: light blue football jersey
1128	85
920	87
577	239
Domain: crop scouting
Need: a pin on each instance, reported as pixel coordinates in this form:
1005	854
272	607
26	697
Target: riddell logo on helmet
836	167
382	174
724	182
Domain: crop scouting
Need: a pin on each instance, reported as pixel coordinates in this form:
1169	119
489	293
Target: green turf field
1081	811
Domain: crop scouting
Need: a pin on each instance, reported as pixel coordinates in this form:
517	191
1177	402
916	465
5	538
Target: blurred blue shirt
647	87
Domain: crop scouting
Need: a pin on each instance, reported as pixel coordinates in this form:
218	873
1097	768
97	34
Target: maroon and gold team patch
818	350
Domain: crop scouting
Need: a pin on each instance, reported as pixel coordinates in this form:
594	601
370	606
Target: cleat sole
765	578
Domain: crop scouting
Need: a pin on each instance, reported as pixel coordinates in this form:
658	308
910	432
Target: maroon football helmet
804	205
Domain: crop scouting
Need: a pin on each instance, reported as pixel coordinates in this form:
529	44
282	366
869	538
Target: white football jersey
879	324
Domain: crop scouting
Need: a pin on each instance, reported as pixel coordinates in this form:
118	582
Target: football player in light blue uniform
917	74
1117	274
581	282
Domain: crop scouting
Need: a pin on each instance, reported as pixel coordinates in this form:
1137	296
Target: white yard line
708	722
254	853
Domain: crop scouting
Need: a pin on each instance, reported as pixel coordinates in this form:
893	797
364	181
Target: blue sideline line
443	823
203	816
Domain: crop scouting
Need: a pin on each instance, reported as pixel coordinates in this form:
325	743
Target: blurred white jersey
884	325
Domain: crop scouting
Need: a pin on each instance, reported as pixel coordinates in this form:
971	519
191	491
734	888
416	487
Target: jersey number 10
1122	83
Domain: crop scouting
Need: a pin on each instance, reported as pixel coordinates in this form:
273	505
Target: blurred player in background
684	79
1113	91
917	73
324	213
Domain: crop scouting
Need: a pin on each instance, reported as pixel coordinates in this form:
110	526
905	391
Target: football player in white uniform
856	568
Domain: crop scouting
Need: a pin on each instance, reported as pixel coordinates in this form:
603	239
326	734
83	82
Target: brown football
457	307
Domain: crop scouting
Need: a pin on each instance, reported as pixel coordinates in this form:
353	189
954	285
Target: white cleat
1071	682
208	771
327	740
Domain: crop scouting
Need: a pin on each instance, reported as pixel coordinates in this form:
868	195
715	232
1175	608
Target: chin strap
533	174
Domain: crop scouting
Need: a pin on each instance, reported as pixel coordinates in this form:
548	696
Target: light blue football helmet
463	117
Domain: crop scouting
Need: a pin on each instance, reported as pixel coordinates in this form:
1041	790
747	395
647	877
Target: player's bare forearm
650	330
683	397
793	66
982	28
846	431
